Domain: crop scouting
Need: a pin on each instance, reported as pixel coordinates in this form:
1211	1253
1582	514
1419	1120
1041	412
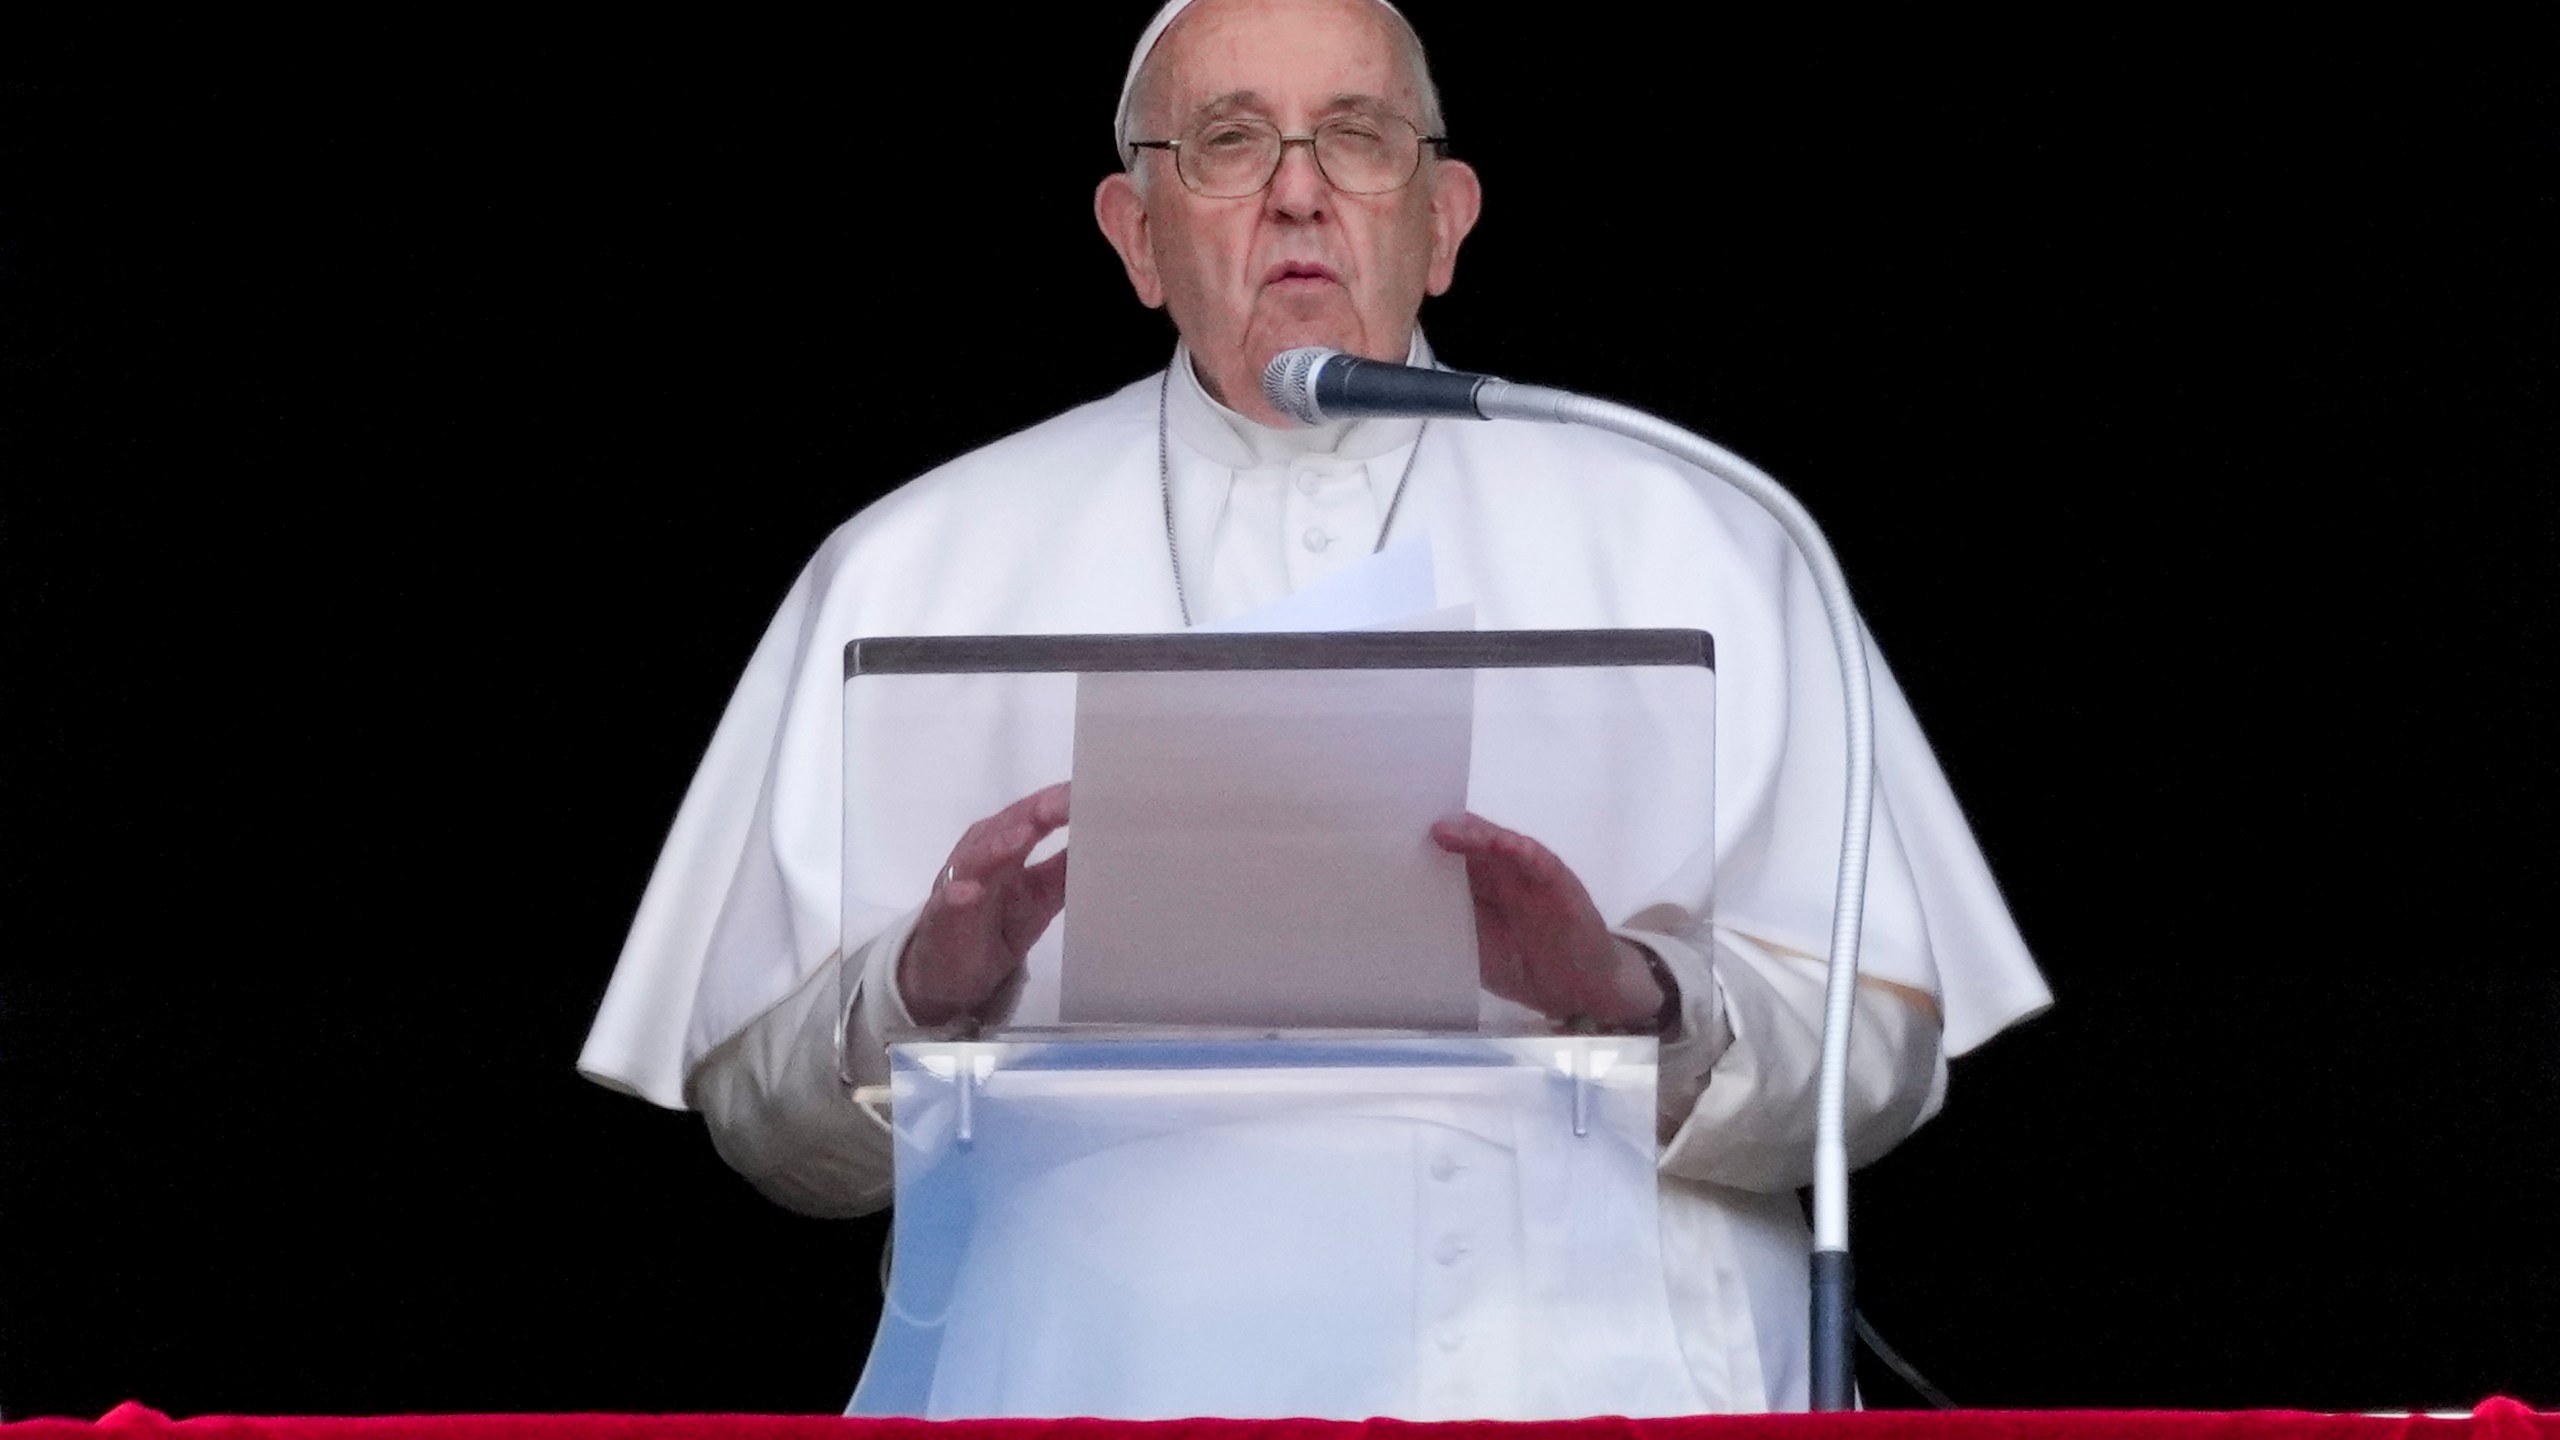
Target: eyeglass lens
1361	154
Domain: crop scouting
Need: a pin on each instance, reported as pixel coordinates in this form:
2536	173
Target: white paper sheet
1377	593
1253	847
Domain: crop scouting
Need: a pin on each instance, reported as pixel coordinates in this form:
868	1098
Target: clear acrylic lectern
1168	1203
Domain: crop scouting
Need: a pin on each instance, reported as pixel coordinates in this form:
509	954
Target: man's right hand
986	909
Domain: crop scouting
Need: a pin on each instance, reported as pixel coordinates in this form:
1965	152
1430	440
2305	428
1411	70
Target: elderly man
1286	185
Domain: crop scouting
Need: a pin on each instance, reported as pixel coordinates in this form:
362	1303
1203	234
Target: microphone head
1289	382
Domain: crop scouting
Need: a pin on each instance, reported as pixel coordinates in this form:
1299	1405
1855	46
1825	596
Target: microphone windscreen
1288	382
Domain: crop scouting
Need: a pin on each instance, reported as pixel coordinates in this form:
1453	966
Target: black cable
1911	1376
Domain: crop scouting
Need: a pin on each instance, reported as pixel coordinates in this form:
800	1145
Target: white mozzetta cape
1060	530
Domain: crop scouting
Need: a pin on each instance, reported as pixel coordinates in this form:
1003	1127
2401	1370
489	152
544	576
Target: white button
1443	1168
1449	1341
1308	484
1450	1250
1315	539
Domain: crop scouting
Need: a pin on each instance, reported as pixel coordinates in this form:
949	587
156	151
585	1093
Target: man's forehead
1254	102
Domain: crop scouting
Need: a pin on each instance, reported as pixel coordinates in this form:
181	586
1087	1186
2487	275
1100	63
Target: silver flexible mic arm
1314	384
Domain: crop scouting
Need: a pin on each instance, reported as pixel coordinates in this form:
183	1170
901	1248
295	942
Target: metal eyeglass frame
1315	152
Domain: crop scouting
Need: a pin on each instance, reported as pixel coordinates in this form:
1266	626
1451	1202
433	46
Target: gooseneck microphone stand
1315	385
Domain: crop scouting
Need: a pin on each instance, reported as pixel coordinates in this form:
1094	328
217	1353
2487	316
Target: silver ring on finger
950	877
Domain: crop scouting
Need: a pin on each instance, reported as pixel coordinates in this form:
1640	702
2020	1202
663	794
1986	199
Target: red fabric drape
2496	1419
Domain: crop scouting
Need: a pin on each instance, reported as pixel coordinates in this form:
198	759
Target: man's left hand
1540	941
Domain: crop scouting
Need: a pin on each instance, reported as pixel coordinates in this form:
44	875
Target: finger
973	855
1001	841
1045	884
1463	833
1513	880
992	846
1537	869
1036	902
1034	815
1474	836
1049	806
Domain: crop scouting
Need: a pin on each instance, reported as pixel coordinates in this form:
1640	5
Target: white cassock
753	989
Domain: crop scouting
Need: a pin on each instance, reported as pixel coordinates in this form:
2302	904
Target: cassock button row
1307	483
1450	1250
1444	1168
1450	1342
1315	539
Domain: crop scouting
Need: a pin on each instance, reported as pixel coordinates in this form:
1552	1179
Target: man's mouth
1299	272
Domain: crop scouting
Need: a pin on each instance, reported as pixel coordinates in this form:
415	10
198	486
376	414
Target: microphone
1314	384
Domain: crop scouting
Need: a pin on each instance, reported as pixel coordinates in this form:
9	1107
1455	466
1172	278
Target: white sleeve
1740	1074
778	1097
780	1112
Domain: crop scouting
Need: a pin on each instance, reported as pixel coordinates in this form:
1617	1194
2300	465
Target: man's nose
1298	187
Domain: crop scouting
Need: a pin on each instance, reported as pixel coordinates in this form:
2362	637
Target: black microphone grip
1347	386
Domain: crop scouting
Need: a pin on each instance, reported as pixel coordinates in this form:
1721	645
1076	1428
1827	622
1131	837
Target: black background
409	429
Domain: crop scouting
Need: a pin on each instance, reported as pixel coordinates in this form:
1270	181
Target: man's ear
1456	199
1122	213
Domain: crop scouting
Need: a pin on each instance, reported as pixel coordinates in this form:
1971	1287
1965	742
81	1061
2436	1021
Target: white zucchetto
1138	61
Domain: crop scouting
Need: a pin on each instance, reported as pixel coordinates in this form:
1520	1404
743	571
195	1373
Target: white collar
1197	419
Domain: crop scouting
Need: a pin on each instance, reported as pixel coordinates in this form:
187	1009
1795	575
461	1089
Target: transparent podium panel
1429	1227
1249	843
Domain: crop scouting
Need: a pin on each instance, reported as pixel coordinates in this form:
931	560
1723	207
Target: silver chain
1164	487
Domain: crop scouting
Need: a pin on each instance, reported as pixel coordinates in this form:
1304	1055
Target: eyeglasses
1358	154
